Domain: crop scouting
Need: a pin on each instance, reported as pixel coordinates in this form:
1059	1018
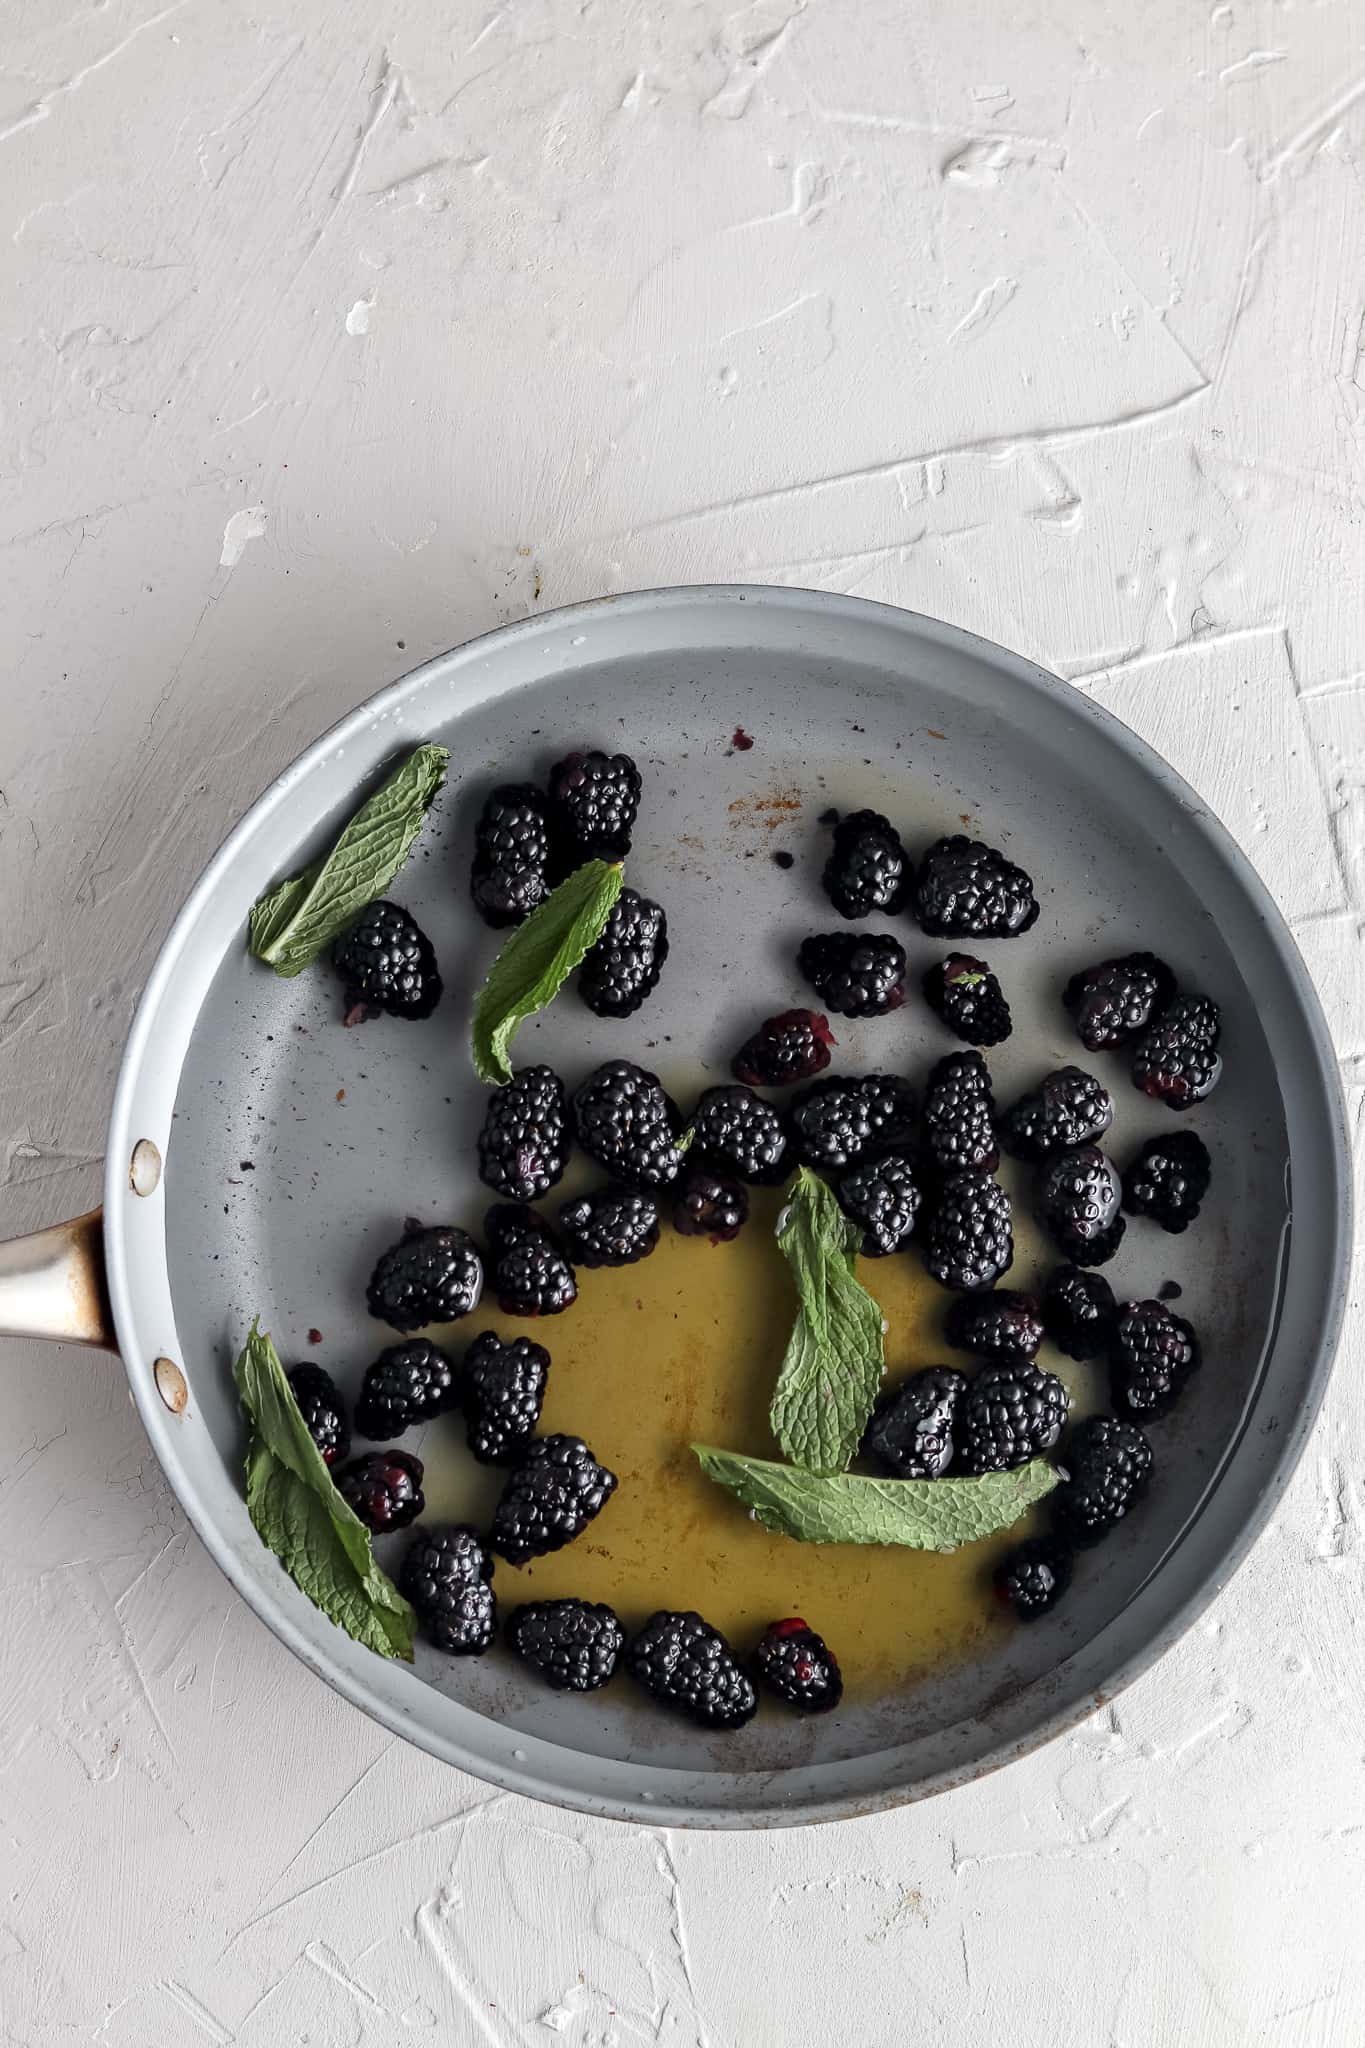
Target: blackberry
736	1132
611	1227
836	1122
1152	1353
1108	1465
573	1644
323	1411
1176	1060
1010	1413
625	964
706	1204
793	1046
968	890
510	875
550	1497
386	962
867	868
384	1488
629	1125
969	999
860	974
593	801
1078	1204
528	1272
969	1243
432	1275
408	1383
445	1575
1168	1180
1070	1108
686	1664
1111	1003
502	1390
799	1666
882	1195
998	1324
1078	1311
524	1143
1034	1576
911	1431
959	1115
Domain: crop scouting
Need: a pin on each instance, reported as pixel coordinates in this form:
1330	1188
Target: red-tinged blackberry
524	1143
1070	1108
736	1132
793	1046
1168	1180
502	1389
859	974
573	1644
836	1122
446	1576
1078	1311
884	1197
510	875
408	1383
967	890
867	868
1078	1195
386	963
998	1324
432	1275
527	1271
1011	1412
593	801
969	1242
910	1434
551	1495
629	1124
1176	1060
625	964
384	1488
1108	1464
969	999
706	1204
1032	1578
1152	1353
610	1227
799	1666
1111	1003
959	1115
323	1411
686	1664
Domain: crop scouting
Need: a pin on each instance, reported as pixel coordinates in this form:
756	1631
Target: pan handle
52	1284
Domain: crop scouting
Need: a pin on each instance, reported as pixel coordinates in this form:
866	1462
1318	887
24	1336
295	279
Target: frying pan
848	703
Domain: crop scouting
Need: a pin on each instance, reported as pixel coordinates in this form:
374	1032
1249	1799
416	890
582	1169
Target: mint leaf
922	1514
299	918
835	1358
537	960
965	980
299	1515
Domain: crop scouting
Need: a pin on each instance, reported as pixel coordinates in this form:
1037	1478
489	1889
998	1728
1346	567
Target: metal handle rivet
170	1384
144	1170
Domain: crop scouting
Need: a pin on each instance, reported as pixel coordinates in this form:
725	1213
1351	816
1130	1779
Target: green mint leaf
922	1514
537	960
299	918
965	980
299	1515
835	1359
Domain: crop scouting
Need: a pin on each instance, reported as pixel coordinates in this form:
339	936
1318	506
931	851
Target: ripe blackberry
593	801
959	1115
1078	1204
1108	1465
573	1644
629	1125
524	1143
1152	1353
799	1666
1078	1311
793	1046
1111	1003
1070	1108
432	1275
502	1389
386	962
1034	1576
550	1497
911	1431
384	1488
998	1324
1176	1060
686	1664
736	1132
1168	1180
968	890
510	875
323	1411
706	1204
610	1227
445	1575
969	1243
860	974
969	999
408	1383
883	1196
1010	1413
625	964
528	1272
836	1122
867	868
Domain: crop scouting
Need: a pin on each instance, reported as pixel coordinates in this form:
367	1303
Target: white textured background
334	333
